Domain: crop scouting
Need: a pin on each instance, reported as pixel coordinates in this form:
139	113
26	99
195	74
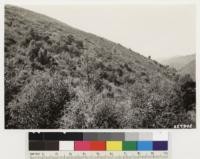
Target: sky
160	31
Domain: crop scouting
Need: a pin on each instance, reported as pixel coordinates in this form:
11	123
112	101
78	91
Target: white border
88	2
1	65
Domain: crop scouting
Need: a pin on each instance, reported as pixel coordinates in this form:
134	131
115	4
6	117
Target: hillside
57	76
190	69
179	61
183	64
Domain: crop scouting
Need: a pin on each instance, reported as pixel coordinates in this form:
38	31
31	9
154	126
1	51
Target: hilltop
178	62
183	64
57	76
190	68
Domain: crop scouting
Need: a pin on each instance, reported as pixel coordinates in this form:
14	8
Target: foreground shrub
109	114
42	105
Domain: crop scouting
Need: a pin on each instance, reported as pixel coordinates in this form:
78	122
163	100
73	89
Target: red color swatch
97	145
89	145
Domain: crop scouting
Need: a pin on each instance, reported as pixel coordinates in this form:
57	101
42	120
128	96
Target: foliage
42	104
60	77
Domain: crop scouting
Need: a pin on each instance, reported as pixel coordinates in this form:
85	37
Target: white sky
161	31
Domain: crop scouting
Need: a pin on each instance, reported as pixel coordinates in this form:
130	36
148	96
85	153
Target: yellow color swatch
114	145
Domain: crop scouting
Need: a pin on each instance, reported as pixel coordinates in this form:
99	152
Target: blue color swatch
145	146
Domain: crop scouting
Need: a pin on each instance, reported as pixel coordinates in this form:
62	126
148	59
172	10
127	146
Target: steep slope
57	76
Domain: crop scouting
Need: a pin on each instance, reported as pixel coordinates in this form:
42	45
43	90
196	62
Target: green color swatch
129	145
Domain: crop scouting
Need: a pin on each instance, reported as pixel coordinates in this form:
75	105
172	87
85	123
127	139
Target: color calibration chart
92	145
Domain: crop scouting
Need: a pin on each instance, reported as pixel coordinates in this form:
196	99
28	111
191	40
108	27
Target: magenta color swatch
81	145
